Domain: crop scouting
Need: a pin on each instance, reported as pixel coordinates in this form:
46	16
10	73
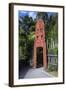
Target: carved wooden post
34	58
40	42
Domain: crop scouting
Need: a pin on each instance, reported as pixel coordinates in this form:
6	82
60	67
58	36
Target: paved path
37	73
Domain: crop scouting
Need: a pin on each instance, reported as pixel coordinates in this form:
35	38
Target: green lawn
54	73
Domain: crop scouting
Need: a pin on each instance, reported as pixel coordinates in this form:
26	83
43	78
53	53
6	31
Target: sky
32	14
29	13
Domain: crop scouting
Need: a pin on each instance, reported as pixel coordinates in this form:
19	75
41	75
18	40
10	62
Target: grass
53	70
53	73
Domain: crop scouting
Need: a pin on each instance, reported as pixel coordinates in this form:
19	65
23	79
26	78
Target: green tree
26	36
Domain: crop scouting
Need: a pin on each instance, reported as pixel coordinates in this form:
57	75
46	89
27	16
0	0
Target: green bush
52	67
53	51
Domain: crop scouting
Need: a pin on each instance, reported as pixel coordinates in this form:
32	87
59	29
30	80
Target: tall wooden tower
40	42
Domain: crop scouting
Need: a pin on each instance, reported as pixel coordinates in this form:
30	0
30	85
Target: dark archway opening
39	57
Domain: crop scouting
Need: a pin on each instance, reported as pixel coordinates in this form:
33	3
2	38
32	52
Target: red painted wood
39	34
40	42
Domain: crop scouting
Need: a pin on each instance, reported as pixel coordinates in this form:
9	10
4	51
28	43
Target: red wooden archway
40	42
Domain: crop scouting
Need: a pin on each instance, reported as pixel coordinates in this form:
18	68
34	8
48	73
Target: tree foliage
27	30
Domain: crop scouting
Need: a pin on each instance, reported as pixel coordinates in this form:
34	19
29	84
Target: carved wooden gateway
40	56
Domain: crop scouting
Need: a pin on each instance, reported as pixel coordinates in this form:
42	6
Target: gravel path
36	73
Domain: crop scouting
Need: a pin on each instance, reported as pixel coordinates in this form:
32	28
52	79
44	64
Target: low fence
52	62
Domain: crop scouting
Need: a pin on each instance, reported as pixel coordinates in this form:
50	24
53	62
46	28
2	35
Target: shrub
52	67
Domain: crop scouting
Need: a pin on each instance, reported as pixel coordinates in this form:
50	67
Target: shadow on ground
23	68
